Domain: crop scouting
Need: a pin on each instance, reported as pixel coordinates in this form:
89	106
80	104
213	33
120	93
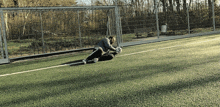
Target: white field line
149	50
118	56
31	70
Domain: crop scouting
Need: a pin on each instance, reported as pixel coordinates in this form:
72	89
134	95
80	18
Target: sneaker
96	60
84	61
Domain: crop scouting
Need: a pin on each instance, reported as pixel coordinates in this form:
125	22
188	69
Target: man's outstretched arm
108	45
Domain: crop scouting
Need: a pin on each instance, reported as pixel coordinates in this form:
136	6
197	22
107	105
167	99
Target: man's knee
106	57
98	48
111	56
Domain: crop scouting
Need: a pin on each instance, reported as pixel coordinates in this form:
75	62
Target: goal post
43	30
3	43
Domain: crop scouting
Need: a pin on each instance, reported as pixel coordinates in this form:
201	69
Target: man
101	51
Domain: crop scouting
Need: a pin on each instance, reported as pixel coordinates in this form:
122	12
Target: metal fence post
108	26
213	14
43	47
187	5
117	20
157	20
121	32
80	38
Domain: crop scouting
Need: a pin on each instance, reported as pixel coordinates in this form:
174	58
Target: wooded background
134	14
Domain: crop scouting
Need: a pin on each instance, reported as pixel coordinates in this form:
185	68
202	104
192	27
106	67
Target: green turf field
183	72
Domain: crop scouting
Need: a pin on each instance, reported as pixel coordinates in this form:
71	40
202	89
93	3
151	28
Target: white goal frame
4	51
3	43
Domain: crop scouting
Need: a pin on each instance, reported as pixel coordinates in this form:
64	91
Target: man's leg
107	56
114	53
97	52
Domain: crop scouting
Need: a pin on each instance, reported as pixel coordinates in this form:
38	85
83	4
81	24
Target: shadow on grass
78	61
34	61
82	82
143	95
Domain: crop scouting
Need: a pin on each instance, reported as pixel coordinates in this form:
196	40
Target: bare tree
15	3
178	6
184	6
210	10
164	5
171	5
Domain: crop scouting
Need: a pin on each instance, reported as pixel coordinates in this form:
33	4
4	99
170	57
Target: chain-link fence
161	19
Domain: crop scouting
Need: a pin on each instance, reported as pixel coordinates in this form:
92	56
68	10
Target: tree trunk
210	10
15	3
155	4
178	6
164	9
184	6
171	5
6	25
164	5
148	6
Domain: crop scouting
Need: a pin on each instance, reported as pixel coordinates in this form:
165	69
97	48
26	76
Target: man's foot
84	61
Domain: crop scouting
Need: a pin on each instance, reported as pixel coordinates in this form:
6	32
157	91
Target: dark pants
99	53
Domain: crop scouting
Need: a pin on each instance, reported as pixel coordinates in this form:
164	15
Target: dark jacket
105	45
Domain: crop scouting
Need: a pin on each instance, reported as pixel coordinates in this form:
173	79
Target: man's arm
108	45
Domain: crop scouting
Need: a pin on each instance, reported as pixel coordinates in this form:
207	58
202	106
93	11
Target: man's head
112	39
